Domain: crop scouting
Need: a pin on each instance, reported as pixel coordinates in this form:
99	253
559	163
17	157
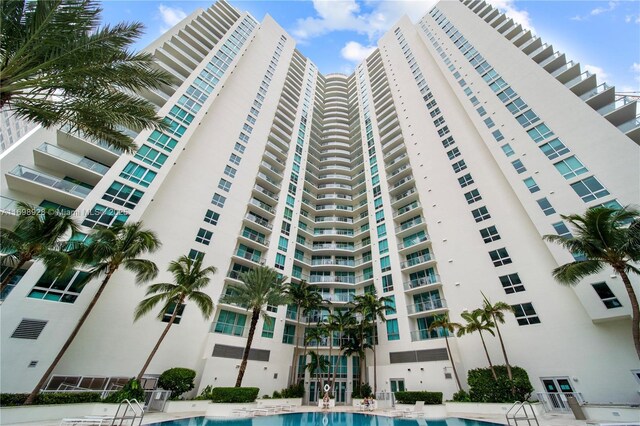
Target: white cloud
602	75
356	52
635	67
519	16
601	10
170	16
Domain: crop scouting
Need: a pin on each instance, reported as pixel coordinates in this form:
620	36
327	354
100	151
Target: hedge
484	388
234	394
49	398
178	380
410	397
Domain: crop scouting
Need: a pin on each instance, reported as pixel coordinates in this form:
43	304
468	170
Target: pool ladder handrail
518	406
136	409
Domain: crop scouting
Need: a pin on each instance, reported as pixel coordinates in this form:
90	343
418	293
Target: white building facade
429	175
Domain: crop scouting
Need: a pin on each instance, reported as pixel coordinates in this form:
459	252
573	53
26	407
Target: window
489	122
516	106
391	305
511	283
443	131
382	230
195	254
606	295
289	334
482	111
238	147
481	214
383	246
138	174
166	317
459	166
64	289
123	195
546	206
230	323
438	121
379	216
562	230
448	142
377	203
280	260
531	185
520	168
507	94
500	257
554	149
283	243
392	330
211	217
525	314
508	151
455	152
218	200
474	101
527	119
268	326
235	159
570	167
540	133
104	216
204	236
162	140
498	84
465	180
385	264
497	134
589	189
489	234
224	184
472	196
150	156
230	171
387	283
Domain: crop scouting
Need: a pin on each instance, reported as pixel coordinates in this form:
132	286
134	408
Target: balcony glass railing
426	306
421	282
629	125
50	181
593	92
414	241
418	335
72	158
416	261
410	224
619	103
255	237
229	329
252	256
258	220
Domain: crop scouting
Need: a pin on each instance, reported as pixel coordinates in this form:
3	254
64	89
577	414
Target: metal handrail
521	405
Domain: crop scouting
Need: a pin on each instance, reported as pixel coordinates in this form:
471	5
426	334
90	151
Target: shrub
49	398
293	391
410	397
234	394
205	394
461	396
361	391
132	390
177	380
276	394
484	388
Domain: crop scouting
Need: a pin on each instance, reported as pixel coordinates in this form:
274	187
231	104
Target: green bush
49	398
234	394
461	396
276	395
410	397
362	391
132	390
293	391
484	388
177	380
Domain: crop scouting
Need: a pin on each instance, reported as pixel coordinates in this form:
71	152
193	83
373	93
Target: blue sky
604	36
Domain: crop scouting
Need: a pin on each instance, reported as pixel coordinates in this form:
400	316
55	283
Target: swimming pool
323	419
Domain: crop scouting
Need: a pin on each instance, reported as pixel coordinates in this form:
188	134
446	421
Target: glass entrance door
340	392
397	385
557	388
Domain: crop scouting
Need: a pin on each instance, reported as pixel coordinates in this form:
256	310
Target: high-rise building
12	129
428	175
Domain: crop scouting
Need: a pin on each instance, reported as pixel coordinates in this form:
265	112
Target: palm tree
496	313
304	297
353	345
372	309
442	321
342	321
37	235
260	287
317	364
59	67
478	321
108	250
190	278
604	239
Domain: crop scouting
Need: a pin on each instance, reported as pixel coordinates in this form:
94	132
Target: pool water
323	419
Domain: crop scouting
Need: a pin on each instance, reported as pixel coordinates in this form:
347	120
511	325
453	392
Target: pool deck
546	420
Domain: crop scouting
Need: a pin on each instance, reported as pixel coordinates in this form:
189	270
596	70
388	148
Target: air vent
33	364
29	329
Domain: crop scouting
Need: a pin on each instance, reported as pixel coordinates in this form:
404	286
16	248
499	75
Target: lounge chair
417	411
245	412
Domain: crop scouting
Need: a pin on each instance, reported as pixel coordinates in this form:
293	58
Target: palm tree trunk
162	336
375	370
635	310
13	272
335	372
453	364
245	356
32	396
493	371
296	349
330	360
504	351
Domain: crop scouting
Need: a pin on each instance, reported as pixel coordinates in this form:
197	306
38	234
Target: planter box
39	413
225	410
430	411
184	406
611	413
279	401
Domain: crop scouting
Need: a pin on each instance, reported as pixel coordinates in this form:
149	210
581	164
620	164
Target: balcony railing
411	223
50	181
262	222
414	241
229	329
426	306
416	261
421	282
418	335
252	256
348	279
72	158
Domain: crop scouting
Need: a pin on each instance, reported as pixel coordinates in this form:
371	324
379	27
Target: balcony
419	335
229	329
46	186
79	167
414	242
415	261
255	238
249	255
631	128
266	207
421	283
340	279
429	306
406	209
258	220
266	192
408	225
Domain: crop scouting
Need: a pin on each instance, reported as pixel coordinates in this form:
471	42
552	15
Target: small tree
442	321
496	313
478	321
177	380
